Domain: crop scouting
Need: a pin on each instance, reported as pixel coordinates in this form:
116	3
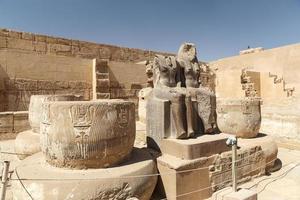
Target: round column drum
35	107
87	134
240	117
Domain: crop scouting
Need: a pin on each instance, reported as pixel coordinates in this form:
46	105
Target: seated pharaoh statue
178	106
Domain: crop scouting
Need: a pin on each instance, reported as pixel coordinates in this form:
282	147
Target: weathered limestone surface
242	194
193	148
143	95
87	134
240	117
13	122
120	182
21	122
36	106
44	44
6	122
27	143
199	178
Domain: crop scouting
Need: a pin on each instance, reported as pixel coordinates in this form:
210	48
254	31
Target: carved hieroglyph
91	134
35	107
240	117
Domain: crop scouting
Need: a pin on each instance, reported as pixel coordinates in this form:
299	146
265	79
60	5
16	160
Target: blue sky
219	28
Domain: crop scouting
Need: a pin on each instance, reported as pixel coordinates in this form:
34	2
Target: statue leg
191	125
178	119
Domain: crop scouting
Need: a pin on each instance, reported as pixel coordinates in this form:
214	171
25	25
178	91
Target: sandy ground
280	185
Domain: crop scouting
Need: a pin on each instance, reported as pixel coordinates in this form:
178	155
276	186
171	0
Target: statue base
199	177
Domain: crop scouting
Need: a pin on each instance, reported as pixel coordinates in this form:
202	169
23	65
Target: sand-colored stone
193	148
240	117
143	95
127	181
6	122
87	134
242	194
198	178
21	122
27	143
36	105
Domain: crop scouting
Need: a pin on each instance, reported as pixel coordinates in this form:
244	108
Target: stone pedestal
126	181
193	148
193	171
158	124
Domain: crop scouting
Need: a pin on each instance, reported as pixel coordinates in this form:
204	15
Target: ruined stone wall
43	44
38	64
25	74
277	81
282	62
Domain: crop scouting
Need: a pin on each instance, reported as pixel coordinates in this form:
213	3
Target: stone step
103	83
101	75
103	95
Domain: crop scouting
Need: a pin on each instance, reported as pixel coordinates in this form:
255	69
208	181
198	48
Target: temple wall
38	64
283	62
25	74
278	84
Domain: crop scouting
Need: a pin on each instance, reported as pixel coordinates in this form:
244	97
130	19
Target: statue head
187	51
164	70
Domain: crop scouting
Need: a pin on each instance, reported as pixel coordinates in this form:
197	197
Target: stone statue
181	107
167	87
203	99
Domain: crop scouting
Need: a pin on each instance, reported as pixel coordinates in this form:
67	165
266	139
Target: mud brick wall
43	44
18	91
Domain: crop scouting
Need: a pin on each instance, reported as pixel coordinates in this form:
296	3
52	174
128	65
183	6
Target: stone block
64	41
4	32
60	49
3	43
14	43
185	179
40	38
103	95
27	36
40	47
14	34
193	148
45	85
21	122
6	122
242	194
25	84
158	122
27	143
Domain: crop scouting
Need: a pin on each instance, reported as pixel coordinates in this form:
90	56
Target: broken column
28	142
87	146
